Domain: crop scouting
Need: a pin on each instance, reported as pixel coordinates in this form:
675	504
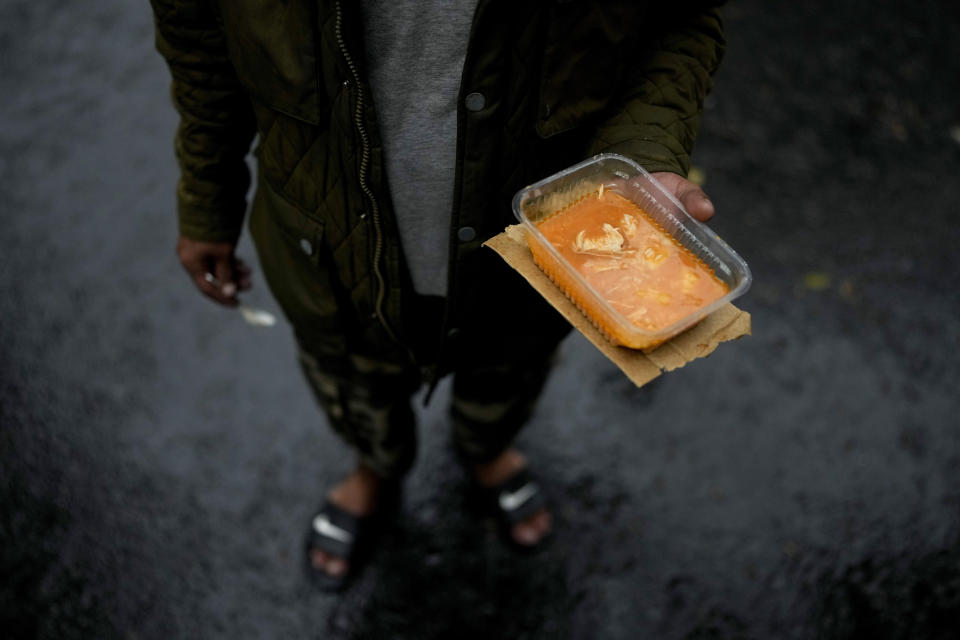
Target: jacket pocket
273	47
587	49
297	266
300	230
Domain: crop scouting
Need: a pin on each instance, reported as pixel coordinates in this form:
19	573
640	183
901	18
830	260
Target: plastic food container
605	269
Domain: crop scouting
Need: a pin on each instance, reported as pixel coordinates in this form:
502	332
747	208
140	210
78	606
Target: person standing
391	139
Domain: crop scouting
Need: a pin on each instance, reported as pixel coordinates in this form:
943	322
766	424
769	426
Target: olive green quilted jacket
561	80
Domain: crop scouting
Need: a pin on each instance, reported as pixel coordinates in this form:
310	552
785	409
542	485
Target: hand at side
214	269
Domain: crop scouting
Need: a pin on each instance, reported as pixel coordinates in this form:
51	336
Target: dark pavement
160	457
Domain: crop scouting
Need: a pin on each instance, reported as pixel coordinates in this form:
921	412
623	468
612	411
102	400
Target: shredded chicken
609	241
629	226
601	265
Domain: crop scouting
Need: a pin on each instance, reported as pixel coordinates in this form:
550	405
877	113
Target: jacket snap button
306	246
466	234
475	101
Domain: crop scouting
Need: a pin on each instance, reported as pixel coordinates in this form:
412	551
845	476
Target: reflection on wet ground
160	459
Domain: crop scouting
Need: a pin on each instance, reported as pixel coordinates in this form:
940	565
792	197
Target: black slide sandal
342	534
512	501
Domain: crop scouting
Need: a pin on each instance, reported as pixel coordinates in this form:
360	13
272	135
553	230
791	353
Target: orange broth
642	271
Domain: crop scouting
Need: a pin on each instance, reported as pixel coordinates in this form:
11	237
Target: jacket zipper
364	165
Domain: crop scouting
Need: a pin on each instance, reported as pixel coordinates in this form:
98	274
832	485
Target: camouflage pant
368	405
364	382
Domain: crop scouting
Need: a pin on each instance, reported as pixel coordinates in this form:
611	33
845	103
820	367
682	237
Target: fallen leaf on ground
816	281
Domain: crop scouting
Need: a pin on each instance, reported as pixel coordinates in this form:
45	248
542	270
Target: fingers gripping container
611	173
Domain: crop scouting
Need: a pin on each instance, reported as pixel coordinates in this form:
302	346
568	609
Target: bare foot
528	532
357	494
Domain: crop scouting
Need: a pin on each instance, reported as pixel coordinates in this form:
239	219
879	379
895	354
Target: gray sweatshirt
415	54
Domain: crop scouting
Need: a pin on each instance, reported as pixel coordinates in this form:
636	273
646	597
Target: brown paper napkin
727	323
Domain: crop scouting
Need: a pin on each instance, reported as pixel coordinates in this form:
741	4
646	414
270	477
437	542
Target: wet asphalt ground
160	457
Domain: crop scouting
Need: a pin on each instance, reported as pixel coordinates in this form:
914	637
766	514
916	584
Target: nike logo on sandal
510	501
323	526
